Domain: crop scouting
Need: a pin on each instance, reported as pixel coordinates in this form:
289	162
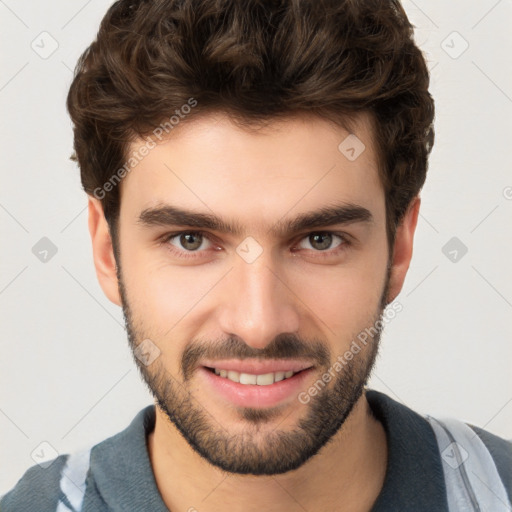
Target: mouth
256	388
262	379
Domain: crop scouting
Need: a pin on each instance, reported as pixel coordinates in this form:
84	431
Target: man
253	171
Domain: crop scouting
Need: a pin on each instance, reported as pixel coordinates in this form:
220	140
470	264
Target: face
254	253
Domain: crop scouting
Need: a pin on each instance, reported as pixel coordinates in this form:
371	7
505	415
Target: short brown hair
255	60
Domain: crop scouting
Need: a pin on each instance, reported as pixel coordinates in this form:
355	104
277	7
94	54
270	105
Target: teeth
234	376
247	378
265	379
278	376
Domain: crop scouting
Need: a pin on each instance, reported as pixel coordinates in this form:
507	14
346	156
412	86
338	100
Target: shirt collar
414	474
122	469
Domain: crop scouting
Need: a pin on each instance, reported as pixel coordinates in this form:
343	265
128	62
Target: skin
292	166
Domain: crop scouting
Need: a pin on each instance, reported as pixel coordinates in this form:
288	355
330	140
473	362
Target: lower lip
252	395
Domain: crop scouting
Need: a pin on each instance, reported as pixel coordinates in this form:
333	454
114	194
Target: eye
322	241
187	241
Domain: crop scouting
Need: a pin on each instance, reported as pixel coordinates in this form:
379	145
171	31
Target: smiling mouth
256	387
264	379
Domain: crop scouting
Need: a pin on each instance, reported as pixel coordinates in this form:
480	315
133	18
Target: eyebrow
167	215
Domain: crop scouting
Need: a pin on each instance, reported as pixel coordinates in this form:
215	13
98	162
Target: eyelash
345	243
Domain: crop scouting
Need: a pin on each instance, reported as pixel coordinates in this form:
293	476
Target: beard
254	450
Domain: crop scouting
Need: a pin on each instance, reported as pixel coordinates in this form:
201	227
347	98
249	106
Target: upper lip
258	367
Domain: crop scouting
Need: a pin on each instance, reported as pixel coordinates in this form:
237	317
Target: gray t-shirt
119	476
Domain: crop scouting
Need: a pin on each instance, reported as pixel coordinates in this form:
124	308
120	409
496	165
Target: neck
347	473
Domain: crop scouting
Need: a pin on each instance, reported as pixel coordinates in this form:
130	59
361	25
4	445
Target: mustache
283	346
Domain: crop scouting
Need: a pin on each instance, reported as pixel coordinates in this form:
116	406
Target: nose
257	303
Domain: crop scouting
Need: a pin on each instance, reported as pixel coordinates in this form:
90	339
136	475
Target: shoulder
431	458
44	480
72	479
475	440
501	452
498	445
476	460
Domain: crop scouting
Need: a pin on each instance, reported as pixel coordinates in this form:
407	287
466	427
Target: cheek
162	292
165	305
345	299
169	301
173	292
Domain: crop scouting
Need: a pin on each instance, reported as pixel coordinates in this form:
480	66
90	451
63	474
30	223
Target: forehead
255	175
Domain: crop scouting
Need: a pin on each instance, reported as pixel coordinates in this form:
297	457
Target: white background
66	372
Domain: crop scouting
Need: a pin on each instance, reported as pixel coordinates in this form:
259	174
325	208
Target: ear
402	249
103	252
